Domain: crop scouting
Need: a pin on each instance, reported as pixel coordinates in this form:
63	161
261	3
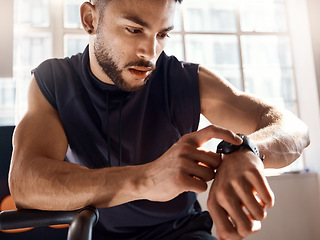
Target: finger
256	225
252	204
225	227
200	137
204	173
193	169
234	207
207	158
195	184
263	189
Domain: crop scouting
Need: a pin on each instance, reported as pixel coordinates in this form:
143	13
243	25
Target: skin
134	35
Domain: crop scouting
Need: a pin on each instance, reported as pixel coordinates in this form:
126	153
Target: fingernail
237	136
256	226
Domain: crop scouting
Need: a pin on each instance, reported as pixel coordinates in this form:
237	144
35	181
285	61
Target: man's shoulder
59	79
172	65
62	64
59	72
172	60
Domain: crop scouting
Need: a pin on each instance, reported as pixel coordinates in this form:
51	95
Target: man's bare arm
39	178
240	193
280	136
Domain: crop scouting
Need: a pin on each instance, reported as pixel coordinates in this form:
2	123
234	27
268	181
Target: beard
111	69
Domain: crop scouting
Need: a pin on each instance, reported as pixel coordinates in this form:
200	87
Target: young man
124	116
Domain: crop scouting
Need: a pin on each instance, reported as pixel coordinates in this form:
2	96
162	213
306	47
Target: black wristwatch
225	147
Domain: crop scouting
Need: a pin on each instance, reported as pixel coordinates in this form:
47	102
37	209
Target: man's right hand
184	167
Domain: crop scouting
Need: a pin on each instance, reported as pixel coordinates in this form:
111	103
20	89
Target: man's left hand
239	195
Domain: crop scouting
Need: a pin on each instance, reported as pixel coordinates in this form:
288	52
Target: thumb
198	138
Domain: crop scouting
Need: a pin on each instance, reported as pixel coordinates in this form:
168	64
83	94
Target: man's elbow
305	136
17	189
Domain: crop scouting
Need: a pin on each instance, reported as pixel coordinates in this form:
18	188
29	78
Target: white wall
296	214
314	17
6	46
306	78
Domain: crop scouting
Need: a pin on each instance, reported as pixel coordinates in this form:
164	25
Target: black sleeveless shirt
108	127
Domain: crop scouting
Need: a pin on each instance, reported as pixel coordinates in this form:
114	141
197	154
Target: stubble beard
110	68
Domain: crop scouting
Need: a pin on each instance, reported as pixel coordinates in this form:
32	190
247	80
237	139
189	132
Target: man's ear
89	17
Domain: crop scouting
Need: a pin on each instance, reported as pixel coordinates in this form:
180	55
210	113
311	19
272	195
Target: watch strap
226	148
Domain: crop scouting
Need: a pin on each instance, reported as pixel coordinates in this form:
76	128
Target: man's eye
133	30
163	35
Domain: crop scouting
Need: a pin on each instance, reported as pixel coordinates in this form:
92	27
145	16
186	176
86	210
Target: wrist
125	184
227	148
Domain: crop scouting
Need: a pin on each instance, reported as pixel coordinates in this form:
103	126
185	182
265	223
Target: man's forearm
39	182
56	185
281	138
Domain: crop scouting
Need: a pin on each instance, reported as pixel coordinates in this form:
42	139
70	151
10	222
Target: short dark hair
105	1
102	3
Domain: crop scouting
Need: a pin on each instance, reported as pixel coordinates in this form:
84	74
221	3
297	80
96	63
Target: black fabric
5	156
152	120
196	227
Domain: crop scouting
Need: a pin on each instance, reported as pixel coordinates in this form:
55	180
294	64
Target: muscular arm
39	178
279	135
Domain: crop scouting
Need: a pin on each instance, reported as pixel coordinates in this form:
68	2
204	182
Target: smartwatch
226	148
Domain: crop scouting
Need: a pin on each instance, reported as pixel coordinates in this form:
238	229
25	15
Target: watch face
225	147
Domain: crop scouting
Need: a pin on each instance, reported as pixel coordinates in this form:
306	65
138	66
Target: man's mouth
140	72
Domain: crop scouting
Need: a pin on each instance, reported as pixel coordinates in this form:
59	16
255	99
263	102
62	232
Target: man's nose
148	48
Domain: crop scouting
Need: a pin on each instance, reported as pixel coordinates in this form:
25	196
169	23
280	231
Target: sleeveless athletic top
106	126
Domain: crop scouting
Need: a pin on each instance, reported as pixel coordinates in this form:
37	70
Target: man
124	117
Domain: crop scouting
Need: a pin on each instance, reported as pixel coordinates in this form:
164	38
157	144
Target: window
7	101
247	41
43	29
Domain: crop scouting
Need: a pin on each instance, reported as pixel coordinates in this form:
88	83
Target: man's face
130	36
